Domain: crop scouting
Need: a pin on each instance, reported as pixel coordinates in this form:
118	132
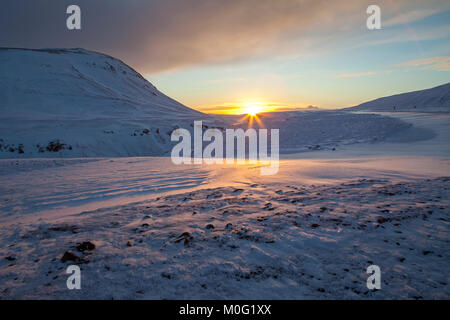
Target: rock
64	228
214	195
56	146
315	225
186	236
69	256
209	226
86	245
9	258
383	219
268	206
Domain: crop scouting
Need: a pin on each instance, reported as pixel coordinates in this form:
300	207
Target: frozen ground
146	135
272	240
427	136
353	189
205	232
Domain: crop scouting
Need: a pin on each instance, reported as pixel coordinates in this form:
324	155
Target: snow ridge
436	99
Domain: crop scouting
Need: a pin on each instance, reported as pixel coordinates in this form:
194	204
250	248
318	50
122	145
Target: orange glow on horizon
250	108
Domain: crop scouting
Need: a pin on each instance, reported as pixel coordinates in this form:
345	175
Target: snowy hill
75	102
436	99
77	84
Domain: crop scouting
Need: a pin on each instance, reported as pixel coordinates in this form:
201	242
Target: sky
221	56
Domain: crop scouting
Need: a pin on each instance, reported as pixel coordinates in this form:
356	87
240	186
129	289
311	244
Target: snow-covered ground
427	135
284	239
353	189
165	231
301	131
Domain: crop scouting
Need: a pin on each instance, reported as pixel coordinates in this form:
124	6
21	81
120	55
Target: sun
252	108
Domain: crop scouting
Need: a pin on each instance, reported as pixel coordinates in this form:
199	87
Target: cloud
436	63
356	75
163	35
387	36
409	17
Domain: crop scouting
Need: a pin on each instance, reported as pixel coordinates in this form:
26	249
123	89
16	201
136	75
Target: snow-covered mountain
77	84
75	102
436	99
